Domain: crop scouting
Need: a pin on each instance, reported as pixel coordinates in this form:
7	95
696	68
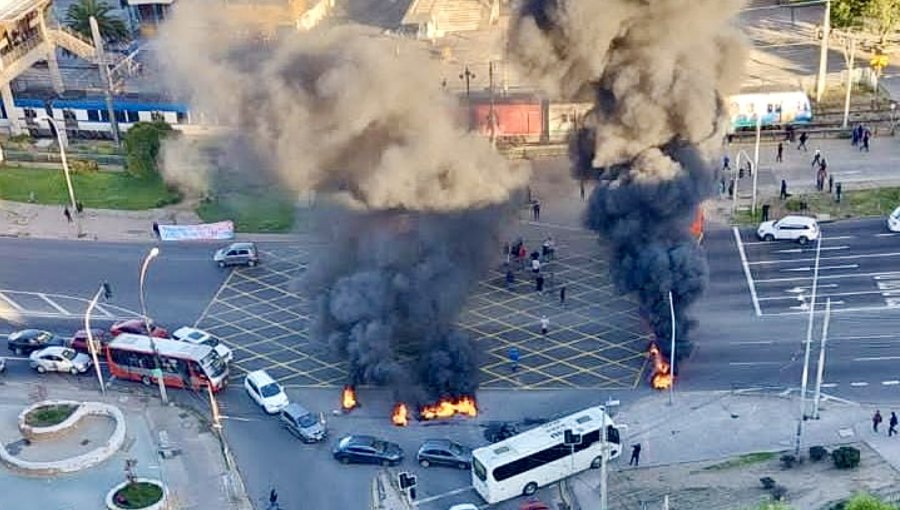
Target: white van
793	228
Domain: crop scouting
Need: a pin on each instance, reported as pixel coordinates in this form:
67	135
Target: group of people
860	137
892	424
822	171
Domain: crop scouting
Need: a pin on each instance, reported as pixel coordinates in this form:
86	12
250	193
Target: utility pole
756	161
467	76
672	350
105	76
849	80
491	115
805	378
820	369
823	52
604	452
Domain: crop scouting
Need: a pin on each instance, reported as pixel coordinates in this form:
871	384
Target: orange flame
348	398
400	416
662	377
446	408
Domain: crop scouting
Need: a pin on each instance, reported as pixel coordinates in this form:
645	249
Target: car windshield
212	342
43	336
270	390
455	449
307	420
213	365
68	354
379	445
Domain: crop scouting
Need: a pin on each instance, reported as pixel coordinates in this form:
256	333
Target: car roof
186	331
241	246
133	322
32	332
799	219
436	443
260	377
359	439
295	409
54	349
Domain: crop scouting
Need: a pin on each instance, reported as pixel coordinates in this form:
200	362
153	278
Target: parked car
137	327
27	341
199	337
265	391
360	449
60	359
79	340
794	228
237	254
302	423
444	452
893	221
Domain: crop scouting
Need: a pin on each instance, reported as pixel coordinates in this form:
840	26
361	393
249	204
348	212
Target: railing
53	157
20	50
72	41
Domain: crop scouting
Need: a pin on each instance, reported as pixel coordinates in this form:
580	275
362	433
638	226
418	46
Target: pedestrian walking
726	162
156	229
876	420
545	324
548	249
730	189
523	252
535	266
536	211
513	354
539	283
784	193
635	455
817	157
820	179
582	190
892	429
510	278
779	153
273	497
67	214
865	139
855	136
830	183
802	144
562	295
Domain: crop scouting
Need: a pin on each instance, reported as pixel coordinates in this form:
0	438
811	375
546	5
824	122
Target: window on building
120	116
180	117
157	117
93	115
132	116
104	115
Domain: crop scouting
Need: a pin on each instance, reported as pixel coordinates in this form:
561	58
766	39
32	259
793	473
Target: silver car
237	254
60	359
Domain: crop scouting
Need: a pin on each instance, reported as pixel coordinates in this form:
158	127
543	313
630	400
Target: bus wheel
596	463
145	380
530	489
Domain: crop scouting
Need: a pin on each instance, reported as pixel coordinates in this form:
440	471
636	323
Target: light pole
92	347
823	52
737	173
158	372
672	351
893	121
805	378
63	141
820	368
756	161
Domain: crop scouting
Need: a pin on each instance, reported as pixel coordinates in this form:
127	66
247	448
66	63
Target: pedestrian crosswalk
18	305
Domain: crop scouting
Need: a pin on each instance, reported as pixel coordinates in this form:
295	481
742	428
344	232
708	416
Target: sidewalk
197	478
721	425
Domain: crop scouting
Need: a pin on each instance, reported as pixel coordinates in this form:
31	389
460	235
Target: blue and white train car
771	108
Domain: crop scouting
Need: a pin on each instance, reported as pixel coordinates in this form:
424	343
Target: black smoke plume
657	72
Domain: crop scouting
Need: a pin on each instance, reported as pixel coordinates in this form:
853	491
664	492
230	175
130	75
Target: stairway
459	15
73	42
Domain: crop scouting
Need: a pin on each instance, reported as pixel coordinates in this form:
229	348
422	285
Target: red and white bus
184	365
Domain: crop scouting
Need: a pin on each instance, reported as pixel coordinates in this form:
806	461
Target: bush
142	144
788	461
83	166
767	482
817	453
845	457
779	492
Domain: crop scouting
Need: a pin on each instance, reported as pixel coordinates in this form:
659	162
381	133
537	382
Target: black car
367	450
444	452
30	340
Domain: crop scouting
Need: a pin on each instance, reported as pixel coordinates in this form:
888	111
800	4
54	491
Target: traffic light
407	481
107	291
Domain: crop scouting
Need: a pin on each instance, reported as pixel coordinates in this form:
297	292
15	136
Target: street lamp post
823	53
672	350
805	377
92	346
61	139
756	161
737	173
158	372
893	120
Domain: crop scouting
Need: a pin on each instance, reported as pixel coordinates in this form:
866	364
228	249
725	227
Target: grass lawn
743	460
251	213
138	495
101	190
47	416
854	204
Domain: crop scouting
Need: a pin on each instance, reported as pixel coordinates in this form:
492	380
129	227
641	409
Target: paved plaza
596	340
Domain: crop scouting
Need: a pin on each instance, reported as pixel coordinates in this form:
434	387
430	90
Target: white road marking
214	298
893	382
868	337
805	306
11	302
829	385
54	304
894	274
737	238
822	268
834	294
753	363
837	238
838	257
801	250
105	312
887	234
800	290
752	342
444	495
879	358
859	384
834	310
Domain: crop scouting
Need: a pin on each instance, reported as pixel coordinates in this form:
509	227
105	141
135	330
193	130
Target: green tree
111	27
868	502
142	144
848	13
883	17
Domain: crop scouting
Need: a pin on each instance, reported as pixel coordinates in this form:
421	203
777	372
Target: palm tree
111	27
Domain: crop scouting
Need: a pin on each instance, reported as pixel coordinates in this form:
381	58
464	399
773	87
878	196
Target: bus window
612	434
478	469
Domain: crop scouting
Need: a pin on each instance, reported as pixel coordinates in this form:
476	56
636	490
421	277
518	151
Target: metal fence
53	157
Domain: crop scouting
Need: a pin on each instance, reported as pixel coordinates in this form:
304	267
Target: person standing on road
876	420
802	144
784	193
67	214
545	324
892	429
539	283
726	162
635	455
779	153
536	211
865	140
582	190
817	158
513	354
562	295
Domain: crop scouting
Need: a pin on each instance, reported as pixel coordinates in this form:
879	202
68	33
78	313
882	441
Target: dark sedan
79	340
30	340
444	452
367	450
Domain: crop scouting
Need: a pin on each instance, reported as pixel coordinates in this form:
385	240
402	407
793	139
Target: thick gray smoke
362	122
658	72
